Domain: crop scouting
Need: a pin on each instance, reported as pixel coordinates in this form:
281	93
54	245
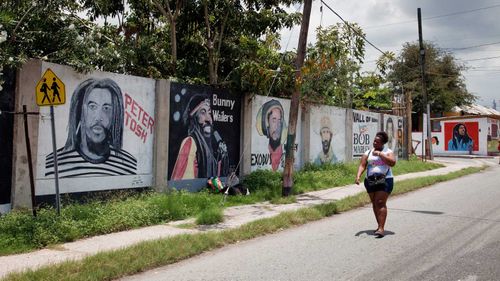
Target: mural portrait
95	134
104	133
327	126
204	132
271	124
459	136
389	129
435	141
269	133
326	154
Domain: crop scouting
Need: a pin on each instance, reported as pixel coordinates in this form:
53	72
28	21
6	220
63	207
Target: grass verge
152	254
211	215
21	232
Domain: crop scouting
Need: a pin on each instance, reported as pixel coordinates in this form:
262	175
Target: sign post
46	95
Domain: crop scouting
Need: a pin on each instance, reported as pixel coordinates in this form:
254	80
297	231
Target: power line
471	47
353	29
436	17
487	58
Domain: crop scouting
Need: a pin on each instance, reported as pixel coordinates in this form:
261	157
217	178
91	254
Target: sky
449	24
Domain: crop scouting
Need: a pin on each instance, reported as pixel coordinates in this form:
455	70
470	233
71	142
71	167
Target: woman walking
378	161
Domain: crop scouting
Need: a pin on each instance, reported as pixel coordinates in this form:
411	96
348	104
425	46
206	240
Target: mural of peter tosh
202	154
270	123
95	132
326	154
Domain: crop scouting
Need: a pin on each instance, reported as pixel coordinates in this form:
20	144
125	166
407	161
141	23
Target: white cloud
390	23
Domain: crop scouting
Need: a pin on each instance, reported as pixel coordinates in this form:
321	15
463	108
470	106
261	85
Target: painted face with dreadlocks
203	116
275	127
97	112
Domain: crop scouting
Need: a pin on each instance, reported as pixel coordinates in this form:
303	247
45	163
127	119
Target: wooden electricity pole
294	106
426	107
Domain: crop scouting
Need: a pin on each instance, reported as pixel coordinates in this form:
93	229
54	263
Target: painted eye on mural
92	105
106	107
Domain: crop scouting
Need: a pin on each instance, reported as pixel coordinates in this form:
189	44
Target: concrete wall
442	142
161	146
106	144
204	132
493	136
27	79
364	128
129	122
393	126
148	145
269	121
326	128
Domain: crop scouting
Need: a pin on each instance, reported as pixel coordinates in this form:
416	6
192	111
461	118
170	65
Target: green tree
445	83
263	69
333	65
214	29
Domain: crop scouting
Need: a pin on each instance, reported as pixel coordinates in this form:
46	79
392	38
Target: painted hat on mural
326	123
194	104
262	122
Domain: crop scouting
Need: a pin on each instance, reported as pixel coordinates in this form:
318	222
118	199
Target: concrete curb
233	217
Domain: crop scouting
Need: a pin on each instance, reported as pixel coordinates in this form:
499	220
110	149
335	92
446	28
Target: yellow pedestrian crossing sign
50	90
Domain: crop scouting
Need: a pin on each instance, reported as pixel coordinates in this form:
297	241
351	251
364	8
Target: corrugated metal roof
476	109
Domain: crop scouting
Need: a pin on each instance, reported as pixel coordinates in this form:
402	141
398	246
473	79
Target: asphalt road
450	231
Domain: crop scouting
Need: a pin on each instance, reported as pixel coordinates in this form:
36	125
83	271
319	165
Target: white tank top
377	165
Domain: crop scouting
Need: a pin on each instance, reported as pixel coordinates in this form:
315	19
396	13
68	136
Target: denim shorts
389	184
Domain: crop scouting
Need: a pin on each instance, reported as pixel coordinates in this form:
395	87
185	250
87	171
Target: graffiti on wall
327	137
204	132
108	138
364	129
461	136
268	151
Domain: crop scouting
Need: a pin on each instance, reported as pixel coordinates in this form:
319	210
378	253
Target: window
435	125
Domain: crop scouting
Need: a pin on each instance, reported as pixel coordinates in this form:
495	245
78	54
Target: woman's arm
361	168
388	158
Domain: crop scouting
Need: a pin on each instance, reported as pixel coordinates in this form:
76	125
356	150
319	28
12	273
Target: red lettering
134	107
140	111
151	123
137	119
143	135
128	100
138	130
133	125
127	117
145	116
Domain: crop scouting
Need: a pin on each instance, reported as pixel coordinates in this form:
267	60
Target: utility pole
408	138
294	106
426	107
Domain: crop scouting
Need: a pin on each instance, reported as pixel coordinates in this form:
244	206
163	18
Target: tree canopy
444	80
207	34
226	43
